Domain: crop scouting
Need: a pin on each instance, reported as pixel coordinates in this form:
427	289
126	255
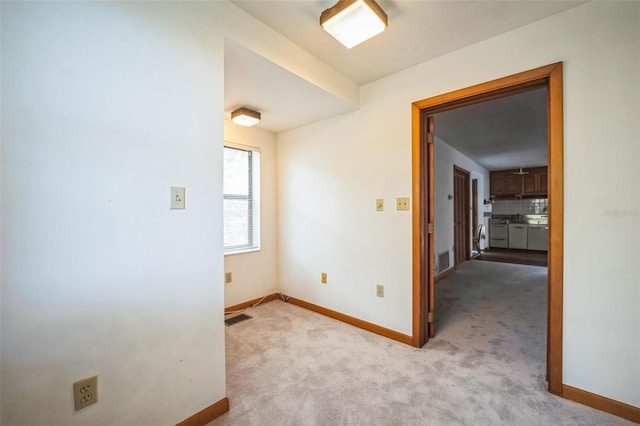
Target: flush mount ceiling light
353	21
245	117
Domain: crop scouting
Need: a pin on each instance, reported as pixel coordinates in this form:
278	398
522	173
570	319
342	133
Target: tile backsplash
526	206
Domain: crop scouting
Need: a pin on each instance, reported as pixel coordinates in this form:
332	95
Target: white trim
244	147
244	251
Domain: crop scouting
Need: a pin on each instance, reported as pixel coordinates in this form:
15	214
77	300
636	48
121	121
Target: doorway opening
549	77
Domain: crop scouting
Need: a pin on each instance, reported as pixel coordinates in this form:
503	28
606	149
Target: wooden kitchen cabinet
504	183
535	183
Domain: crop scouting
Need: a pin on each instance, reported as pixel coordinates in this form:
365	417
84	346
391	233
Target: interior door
461	229
474	212
427	230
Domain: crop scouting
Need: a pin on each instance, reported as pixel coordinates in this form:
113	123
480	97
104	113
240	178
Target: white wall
445	157
329	177
104	106
255	274
331	172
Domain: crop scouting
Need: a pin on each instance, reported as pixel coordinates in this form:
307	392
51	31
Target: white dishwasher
518	236
538	237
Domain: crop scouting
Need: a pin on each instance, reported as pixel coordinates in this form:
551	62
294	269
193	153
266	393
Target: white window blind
241	187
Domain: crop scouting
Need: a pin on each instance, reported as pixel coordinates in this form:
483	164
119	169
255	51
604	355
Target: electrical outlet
228	277
85	392
379	290
323	278
402	203
379	204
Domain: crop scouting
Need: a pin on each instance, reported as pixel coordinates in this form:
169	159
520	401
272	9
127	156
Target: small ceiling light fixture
245	117
353	21
521	172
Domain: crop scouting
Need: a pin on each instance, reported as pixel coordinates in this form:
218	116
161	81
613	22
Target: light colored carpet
291	366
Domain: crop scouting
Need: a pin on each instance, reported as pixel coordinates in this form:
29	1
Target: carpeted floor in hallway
486	366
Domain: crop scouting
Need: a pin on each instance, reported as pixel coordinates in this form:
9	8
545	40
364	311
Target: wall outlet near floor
323	278
379	290
228	277
402	203
85	392
379	204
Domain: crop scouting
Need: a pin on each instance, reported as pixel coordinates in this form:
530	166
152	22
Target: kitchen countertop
534	219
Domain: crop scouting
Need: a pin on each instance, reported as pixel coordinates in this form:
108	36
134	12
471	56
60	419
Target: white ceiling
500	134
284	99
418	31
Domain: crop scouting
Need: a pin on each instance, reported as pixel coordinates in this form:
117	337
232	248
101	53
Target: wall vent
443	261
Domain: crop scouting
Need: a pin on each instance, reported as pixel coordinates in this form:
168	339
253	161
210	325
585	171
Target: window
241	187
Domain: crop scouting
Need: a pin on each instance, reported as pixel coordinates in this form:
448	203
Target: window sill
251	250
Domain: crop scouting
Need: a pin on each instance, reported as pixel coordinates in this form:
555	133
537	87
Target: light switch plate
379	204
402	203
177	197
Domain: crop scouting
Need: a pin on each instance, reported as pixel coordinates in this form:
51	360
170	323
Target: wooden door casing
551	77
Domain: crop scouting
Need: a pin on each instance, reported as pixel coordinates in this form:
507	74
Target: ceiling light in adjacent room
245	117
353	21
